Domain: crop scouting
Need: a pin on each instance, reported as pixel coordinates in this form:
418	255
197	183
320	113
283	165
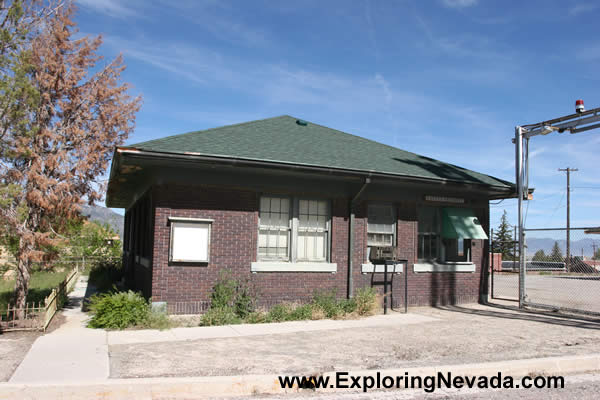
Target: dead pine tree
70	112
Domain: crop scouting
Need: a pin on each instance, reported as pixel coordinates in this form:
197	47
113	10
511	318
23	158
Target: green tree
62	113
556	254
503	240
540	256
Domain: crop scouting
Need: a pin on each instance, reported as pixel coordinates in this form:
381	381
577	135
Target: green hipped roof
289	140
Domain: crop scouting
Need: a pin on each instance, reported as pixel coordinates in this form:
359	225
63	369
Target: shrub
347	306
300	313
244	300
105	274
220	316
156	319
118	310
256	317
328	302
366	301
223	293
280	313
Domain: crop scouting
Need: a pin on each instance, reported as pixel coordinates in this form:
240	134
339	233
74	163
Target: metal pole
406	288
385	286
493	260
519	171
568	257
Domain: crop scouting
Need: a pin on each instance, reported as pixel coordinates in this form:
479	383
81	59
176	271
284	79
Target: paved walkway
74	353
71	353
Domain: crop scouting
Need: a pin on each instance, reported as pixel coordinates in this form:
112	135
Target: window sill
282	266
395	268
445	267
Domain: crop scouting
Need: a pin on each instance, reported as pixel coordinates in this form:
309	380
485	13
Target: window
381	225
433	246
274	228
190	240
292	229
313	223
429	233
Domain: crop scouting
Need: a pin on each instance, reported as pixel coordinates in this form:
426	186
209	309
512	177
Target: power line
568	171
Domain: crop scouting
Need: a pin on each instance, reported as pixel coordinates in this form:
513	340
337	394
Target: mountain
104	215
546	244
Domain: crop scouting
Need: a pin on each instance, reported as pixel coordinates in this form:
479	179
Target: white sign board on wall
190	240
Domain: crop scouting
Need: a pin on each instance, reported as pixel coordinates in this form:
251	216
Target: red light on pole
579	107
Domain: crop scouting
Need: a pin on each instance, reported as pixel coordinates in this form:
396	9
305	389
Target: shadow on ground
546	317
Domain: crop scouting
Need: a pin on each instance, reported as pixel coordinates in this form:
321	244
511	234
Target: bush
328	302
244	300
105	274
220	316
280	313
256	317
223	293
118	310
366	301
301	313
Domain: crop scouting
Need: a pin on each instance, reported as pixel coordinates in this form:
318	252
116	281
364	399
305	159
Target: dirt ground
15	345
462	334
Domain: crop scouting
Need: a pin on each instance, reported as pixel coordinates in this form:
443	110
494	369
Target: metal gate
562	269
504	268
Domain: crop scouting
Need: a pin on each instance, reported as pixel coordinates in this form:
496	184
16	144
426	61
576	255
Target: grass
40	286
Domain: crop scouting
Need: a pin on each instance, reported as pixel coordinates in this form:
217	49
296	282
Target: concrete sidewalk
249	385
70	353
75	353
226	331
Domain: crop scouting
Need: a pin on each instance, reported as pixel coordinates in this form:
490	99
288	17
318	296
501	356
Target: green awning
461	223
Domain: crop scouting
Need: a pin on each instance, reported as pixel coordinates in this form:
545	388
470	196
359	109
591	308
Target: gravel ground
582	387
463	334
13	347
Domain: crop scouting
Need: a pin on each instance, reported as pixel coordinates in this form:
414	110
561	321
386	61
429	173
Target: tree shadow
449	171
546	317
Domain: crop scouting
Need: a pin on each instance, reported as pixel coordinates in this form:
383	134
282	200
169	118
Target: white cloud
459	3
113	8
582	8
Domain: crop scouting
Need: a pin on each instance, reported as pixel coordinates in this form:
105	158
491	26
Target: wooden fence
38	316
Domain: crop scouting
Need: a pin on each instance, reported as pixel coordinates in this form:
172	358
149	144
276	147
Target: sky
448	79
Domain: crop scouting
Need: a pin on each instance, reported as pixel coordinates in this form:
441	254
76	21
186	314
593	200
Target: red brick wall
233	247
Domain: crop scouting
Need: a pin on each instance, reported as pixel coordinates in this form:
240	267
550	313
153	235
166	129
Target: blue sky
448	79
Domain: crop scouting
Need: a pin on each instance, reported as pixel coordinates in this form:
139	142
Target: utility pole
568	171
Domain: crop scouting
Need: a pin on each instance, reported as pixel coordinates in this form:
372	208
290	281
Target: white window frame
174	221
293	263
394	224
289	232
442	263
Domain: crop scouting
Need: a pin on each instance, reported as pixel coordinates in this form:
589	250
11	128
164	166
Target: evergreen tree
540	256
556	253
503	240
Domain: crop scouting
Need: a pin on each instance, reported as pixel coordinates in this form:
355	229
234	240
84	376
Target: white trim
190	221
266	266
186	219
445	267
395	268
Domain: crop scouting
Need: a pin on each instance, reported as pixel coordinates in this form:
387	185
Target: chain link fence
504	267
563	269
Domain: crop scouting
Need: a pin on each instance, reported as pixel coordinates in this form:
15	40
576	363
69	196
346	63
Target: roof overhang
125	168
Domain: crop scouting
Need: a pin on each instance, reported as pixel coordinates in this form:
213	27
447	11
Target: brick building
293	207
